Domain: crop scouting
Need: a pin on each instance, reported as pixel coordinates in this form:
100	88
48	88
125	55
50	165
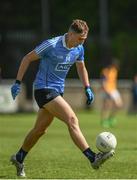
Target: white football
106	141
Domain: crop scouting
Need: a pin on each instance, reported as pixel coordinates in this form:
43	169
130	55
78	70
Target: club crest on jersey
63	66
68	58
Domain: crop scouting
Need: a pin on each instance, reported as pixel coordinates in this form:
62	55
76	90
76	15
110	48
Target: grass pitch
56	157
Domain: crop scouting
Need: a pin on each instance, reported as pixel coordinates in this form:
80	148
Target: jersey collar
64	42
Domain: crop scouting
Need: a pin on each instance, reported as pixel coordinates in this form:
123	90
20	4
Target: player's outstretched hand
89	94
15	90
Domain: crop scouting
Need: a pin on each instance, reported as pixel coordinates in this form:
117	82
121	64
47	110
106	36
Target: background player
112	101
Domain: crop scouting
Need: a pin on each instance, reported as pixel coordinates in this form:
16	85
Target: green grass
55	156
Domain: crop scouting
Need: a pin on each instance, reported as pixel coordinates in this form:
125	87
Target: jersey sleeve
43	48
81	54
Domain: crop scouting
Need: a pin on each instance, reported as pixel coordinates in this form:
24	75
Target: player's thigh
44	119
61	109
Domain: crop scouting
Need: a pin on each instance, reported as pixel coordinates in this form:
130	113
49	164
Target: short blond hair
79	26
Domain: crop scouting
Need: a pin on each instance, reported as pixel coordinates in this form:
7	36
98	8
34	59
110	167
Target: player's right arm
27	59
34	55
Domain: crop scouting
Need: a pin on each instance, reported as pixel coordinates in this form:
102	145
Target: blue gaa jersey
55	62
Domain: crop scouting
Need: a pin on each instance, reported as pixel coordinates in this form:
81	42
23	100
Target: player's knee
72	122
118	105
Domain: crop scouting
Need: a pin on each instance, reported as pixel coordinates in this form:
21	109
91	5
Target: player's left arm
83	75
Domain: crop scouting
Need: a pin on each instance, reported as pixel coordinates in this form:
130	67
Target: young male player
56	56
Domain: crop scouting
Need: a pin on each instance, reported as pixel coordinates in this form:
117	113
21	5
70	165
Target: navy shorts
43	96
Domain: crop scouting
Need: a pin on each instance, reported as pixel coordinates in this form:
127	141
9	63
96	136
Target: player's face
77	38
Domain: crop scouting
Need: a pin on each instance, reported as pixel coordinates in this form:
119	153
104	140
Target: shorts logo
63	66
48	96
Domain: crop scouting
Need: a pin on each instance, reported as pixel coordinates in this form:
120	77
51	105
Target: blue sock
89	154
20	156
